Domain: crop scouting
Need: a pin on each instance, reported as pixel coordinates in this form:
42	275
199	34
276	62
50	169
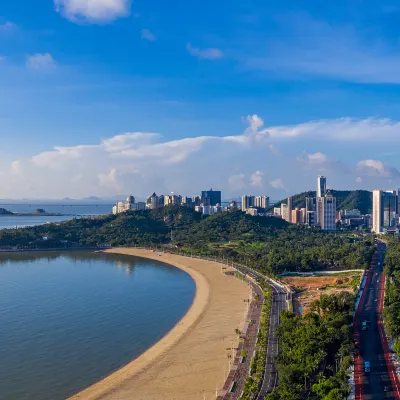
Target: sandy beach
192	359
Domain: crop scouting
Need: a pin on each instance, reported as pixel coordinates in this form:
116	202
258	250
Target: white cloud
359	180
141	162
256	179
377	168
41	62
341	129
147	35
255	122
95	11
277	183
205	54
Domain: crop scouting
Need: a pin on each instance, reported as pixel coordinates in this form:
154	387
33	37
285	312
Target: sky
107	97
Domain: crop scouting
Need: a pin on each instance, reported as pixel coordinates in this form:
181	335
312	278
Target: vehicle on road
367	367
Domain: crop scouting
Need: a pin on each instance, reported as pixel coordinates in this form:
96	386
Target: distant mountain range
345	200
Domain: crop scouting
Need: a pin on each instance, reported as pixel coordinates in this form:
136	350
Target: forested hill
145	227
3	211
345	200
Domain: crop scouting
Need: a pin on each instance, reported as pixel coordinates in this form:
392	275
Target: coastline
191	360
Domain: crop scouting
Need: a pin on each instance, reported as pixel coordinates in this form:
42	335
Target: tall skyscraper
320	192
211	197
247	202
327	212
321	186
385	212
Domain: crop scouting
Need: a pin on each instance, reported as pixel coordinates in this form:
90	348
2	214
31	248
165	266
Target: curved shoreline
167	369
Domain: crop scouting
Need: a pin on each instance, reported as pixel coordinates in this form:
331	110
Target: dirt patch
310	288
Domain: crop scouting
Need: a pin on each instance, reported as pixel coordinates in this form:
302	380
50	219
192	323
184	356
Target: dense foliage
345	200
293	249
391	311
315	351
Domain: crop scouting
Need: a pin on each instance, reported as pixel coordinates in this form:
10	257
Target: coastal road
279	303
270	378
382	382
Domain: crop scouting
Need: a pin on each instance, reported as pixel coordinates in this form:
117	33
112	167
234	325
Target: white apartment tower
385	211
327	212
261	201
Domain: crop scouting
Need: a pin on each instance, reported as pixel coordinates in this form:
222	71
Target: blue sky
302	89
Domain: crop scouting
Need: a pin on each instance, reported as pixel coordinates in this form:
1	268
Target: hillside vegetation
345	200
267	243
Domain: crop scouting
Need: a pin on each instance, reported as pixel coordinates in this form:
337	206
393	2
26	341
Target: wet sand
192	359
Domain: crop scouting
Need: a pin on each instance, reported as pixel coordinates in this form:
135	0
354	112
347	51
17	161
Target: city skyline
119	96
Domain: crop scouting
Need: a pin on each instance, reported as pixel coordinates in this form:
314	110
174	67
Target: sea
69	211
68	319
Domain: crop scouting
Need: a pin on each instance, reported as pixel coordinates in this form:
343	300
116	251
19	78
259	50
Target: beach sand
192	359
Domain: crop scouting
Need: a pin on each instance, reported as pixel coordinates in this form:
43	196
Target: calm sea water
70	319
7	221
79	210
59	208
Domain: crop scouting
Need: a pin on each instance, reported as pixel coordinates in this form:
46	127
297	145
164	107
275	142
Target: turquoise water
70	319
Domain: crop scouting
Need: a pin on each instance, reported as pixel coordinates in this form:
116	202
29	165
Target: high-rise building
187	201
321	186
261	202
310	204
247	202
286	210
172	199
320	192
153	202
196	200
290	208
385	210
327	212
297	216
211	197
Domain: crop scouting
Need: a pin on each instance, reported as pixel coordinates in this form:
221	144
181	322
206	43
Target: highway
382	381
279	304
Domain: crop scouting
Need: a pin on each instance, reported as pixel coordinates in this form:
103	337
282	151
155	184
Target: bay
68	319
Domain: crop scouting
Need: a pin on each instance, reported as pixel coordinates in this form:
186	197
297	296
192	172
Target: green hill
229	226
145	227
345	200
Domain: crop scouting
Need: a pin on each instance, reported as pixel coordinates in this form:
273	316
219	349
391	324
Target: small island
3	211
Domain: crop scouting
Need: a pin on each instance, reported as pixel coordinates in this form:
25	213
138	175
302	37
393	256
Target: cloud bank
143	162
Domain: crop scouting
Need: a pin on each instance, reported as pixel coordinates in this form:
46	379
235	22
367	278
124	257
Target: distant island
36	213
3	211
